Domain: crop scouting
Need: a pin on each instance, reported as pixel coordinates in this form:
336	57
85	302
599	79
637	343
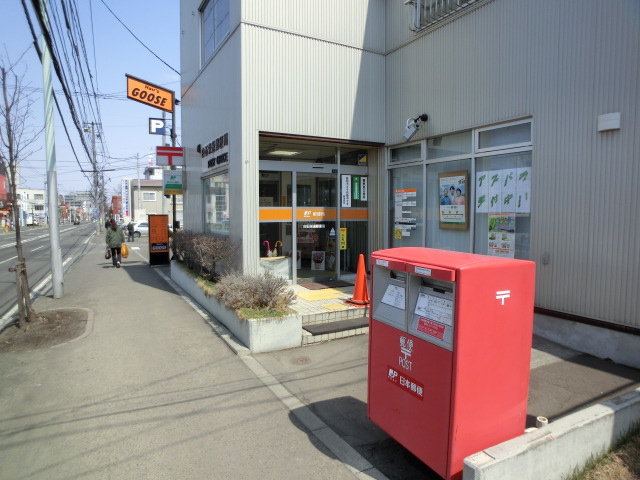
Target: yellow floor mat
335	306
324	294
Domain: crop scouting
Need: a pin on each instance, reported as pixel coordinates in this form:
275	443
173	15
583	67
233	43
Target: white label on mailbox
435	308
394	296
406	348
423	271
501	295
383	263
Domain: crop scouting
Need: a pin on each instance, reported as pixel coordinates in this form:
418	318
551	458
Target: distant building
4	207
32	206
81	205
145	197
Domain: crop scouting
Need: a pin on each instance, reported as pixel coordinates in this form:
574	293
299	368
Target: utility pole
173	144
139	204
96	188
52	179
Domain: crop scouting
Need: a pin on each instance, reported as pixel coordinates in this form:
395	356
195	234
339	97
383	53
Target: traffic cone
360	292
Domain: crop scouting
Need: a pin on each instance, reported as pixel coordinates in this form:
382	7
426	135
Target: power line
141	42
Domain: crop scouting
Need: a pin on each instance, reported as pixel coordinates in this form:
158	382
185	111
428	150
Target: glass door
316	233
313	209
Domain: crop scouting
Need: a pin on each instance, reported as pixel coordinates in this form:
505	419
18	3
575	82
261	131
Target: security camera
413	126
410	131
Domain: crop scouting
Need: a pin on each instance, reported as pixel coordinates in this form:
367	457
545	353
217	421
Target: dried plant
204	253
265	291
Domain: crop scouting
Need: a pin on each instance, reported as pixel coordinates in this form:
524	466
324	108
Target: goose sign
149	94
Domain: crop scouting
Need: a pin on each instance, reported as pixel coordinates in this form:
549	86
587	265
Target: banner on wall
125	199
346	191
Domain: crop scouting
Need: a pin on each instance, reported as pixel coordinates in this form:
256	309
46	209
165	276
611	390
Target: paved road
36	247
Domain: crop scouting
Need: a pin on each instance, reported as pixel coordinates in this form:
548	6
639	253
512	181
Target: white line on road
9	259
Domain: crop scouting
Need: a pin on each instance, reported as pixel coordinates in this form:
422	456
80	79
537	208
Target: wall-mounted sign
169	156
172	182
214	153
149	94
343	238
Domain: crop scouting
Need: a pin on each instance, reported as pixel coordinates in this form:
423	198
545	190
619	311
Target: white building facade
33	206
297	122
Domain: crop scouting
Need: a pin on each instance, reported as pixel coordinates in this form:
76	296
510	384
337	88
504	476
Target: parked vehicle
140	228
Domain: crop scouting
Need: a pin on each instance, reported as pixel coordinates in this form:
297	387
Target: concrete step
326	331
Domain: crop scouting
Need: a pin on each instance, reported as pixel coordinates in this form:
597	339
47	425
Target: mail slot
449	348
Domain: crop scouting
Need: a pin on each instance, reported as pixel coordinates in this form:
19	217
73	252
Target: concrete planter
257	334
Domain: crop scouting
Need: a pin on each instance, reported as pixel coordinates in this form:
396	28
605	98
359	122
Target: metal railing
427	12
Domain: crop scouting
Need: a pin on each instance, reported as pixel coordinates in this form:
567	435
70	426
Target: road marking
9	259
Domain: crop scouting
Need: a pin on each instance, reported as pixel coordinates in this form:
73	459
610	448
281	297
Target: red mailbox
449	350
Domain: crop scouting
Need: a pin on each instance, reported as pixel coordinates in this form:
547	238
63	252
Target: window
406	205
409	153
216	203
509	136
492	168
148	196
38	196
215	26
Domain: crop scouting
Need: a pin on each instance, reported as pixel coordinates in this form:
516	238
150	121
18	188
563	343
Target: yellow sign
149	94
343	238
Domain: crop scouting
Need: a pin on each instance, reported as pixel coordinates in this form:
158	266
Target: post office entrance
313	211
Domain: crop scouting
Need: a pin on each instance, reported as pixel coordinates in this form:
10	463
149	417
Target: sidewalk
150	392
153	392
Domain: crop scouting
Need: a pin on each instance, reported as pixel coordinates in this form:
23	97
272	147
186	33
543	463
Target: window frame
207	11
477	132
153	194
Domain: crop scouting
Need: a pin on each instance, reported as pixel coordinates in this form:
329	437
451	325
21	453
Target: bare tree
17	136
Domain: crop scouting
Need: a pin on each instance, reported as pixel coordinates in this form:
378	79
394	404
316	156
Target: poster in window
506	190
523	190
405	218
453	195
502	235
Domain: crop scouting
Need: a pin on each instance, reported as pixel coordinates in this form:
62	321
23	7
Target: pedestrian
130	229
115	239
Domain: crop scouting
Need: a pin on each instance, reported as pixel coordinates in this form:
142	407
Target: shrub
265	291
203	252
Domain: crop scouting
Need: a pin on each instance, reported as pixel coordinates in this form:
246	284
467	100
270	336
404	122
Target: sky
112	52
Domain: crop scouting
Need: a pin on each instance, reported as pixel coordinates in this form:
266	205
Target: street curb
220	330
580	436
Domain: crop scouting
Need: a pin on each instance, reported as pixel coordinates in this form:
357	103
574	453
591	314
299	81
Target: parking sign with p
157	126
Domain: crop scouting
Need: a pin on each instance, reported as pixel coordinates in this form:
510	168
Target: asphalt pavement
152	391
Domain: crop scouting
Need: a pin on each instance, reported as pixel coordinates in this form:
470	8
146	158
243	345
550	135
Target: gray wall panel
562	64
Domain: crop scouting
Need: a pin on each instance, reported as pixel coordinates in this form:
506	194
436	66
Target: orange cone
360	292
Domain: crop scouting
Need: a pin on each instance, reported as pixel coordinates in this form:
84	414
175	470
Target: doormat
327	284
